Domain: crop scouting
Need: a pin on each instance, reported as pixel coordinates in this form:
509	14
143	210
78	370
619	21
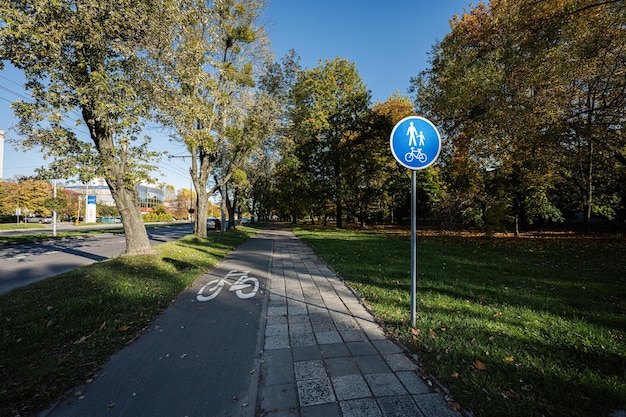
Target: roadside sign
415	142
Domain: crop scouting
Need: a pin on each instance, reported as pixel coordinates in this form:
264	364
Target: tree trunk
124	194
200	177
338	202
127	201
588	206
202	208
230	207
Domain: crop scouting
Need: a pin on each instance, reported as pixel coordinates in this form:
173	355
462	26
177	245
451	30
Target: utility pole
1	153
189	209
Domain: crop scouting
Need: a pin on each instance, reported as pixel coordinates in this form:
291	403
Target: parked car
38	219
213	223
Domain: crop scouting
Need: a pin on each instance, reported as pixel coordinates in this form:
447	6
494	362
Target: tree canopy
95	59
532	97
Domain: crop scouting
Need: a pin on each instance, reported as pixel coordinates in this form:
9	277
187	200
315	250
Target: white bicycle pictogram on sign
244	287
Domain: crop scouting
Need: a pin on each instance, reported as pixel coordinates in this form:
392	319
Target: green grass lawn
21	226
514	327
55	333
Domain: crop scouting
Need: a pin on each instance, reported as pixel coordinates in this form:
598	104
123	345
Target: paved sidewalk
299	345
324	355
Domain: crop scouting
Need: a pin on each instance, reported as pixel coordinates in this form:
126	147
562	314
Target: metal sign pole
413	246
415	143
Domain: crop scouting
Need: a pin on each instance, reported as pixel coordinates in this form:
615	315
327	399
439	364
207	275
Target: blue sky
388	41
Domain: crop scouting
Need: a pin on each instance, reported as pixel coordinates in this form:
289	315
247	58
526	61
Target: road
26	263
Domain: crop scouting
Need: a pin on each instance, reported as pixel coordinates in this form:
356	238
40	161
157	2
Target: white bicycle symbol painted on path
244	287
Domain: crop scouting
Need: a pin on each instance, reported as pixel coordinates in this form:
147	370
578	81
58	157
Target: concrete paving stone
277	367
301	328
350	387
276	342
320	317
317	312
368	324
296	307
331	300
386	347
400	362
321	410
315	391
277	294
353	335
277	311
314	302
277	356
314	270
306	283
340	312
277	280
306	353
294	294
362	348
334	304
434	405
347	323
276	300
366	407
342	366
412	382
280	374
324	338
276	329
303	275
281	413
357	309
309	370
399	407
277	397
373	364
340	288
385	385
271	320
298	339
335	350
298	318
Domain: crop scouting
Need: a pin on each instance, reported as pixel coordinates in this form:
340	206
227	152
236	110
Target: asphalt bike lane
199	358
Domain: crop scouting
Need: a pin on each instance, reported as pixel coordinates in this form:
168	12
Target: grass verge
530	326
57	332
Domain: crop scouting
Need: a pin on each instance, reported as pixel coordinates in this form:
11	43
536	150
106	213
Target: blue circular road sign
415	142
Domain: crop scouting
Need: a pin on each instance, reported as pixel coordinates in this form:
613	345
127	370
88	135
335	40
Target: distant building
150	195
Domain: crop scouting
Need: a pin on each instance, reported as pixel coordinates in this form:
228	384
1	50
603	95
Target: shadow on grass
58	331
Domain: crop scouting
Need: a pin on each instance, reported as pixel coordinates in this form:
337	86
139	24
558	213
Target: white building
150	195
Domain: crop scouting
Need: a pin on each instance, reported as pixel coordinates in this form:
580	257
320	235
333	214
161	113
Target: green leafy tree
96	58
535	93
384	174
210	102
329	105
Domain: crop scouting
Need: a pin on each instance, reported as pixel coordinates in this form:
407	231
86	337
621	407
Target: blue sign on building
415	142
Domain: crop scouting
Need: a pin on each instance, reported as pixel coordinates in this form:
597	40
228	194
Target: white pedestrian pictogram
413	135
